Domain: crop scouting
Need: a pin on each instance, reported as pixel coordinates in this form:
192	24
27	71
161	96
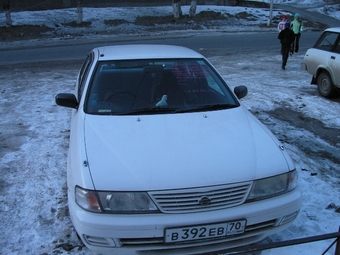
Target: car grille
201	199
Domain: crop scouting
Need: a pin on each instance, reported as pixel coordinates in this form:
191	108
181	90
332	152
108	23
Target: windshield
156	87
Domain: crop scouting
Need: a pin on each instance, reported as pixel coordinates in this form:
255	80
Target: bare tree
177	10
79	11
270	14
192	10
6	7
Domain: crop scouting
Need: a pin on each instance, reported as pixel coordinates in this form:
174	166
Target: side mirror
66	100
241	91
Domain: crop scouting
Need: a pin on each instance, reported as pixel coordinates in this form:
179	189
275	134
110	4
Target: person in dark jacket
286	38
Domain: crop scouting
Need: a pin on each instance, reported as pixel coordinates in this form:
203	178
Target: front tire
325	85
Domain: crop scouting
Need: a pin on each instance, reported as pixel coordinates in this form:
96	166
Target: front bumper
144	233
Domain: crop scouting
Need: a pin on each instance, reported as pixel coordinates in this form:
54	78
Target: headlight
114	202
273	186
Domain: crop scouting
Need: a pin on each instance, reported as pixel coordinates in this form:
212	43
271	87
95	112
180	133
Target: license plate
204	231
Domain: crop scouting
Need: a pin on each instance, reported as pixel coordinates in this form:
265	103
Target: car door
326	55
334	62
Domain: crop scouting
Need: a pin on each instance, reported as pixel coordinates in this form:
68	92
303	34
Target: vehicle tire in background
325	85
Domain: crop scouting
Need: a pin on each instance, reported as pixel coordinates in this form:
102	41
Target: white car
323	62
163	158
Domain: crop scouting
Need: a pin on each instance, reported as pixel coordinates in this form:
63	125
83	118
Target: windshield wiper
160	110
153	110
208	107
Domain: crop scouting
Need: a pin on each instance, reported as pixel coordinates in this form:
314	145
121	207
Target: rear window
327	41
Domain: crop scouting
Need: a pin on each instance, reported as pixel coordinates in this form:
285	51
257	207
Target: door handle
332	57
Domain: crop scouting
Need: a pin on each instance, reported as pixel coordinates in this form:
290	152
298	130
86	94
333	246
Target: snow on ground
58	19
34	136
292	90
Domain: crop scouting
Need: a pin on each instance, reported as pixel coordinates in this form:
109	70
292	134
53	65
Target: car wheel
325	85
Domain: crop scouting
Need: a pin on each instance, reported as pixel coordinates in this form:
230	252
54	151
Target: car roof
333	29
144	51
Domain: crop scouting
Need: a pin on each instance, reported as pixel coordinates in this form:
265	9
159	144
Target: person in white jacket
281	25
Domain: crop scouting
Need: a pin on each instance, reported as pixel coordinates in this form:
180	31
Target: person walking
281	26
286	38
282	23
296	26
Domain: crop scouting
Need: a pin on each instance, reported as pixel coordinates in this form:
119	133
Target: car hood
169	151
